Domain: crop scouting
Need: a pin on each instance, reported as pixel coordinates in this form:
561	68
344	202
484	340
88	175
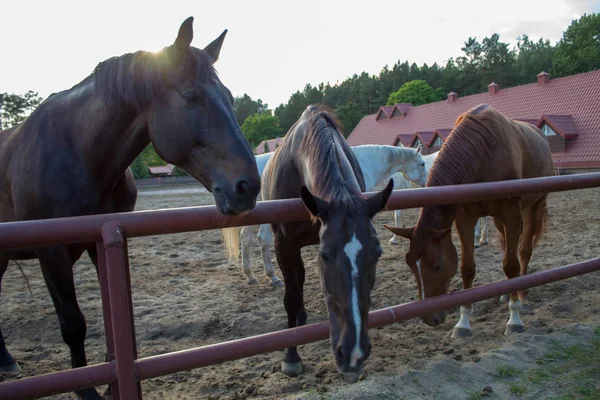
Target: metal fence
124	371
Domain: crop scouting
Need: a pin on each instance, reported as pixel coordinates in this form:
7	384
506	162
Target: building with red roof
567	110
271	145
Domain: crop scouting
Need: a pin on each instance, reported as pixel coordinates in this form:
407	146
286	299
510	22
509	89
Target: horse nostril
217	189
241	187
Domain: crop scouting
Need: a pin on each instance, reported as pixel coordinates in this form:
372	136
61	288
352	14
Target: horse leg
57	268
477	232
465	226
7	361
484	232
530	226
398	221
246	238
500	226
513	225
292	267
265	236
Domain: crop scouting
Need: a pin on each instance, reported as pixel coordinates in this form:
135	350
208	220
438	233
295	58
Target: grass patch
507	371
517	388
571	371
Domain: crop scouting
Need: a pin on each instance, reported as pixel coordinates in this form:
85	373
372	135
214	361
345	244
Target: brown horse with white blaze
314	162
484	146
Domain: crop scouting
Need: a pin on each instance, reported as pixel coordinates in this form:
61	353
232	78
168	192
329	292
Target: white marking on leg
465	318
351	249
515	317
421	288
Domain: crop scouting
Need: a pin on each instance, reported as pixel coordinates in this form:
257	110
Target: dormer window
547	131
437	142
416	144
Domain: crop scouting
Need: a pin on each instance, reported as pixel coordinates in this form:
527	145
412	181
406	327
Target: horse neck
110	137
437	217
380	162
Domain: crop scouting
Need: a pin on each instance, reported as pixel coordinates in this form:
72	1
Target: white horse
377	162
481	231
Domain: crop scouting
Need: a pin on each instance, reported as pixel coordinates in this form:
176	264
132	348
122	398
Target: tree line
480	63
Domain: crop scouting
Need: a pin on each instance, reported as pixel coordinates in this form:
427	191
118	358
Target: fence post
110	344
115	249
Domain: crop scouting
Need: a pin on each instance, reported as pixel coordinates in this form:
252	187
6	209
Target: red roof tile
426	136
577	96
271	144
406	139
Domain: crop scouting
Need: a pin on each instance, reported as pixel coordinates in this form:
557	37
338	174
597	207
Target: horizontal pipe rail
86	229
59	382
151	367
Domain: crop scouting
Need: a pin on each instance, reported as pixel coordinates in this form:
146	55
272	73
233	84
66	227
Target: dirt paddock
186	294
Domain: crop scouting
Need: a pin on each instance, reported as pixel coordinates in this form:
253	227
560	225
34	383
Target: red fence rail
124	371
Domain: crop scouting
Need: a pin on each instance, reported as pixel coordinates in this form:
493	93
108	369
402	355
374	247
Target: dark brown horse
71	156
484	146
315	163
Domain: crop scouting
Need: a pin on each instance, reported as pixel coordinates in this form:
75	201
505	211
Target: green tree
244	106
579	49
497	62
469	79
147	158
349	115
416	92
532	58
261	126
14	108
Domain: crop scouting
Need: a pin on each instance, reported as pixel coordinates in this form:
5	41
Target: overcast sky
273	48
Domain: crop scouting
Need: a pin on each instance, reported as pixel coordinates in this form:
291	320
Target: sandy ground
186	294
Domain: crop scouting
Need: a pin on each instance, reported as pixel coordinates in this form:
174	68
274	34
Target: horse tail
541	219
231	239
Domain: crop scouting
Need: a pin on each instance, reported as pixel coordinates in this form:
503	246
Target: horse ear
378	202
316	206
439	234
185	35
403	232
214	48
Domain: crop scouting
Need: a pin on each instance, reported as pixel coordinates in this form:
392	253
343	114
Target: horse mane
466	150
321	153
136	78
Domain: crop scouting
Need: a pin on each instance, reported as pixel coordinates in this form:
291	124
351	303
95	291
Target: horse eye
436	268
191	97
422	164
324	256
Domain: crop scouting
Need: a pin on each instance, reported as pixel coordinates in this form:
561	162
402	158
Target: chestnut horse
314	162
484	146
70	157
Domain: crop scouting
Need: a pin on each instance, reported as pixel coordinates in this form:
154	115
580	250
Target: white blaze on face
421	288
351	249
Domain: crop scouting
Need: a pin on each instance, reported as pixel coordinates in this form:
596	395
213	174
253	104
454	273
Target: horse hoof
251	281
291	369
461	332
7	368
504	298
393	240
277	283
514	329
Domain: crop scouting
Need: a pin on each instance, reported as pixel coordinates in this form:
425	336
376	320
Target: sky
272	48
